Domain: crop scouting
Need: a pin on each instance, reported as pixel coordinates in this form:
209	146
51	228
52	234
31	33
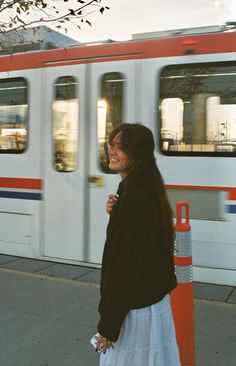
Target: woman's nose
111	149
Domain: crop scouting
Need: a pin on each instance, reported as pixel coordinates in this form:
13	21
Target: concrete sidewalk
48	321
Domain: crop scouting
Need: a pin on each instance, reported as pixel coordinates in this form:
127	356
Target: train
57	108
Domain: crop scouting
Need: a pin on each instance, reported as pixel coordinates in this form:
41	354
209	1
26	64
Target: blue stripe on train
231	209
21	195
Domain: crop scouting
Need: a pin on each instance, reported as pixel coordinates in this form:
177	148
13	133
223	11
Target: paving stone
26	265
213	292
7	258
65	271
92	276
232	297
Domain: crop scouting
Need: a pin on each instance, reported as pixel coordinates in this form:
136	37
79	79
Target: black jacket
137	270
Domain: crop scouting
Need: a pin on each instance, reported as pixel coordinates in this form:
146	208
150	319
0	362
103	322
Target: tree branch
9	5
17	11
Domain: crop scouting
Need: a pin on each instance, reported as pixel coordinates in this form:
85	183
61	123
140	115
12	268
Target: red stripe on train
29	183
140	49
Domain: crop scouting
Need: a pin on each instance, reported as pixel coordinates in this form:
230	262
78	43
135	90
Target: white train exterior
57	108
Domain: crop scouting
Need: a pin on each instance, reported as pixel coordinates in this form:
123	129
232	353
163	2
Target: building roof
36	38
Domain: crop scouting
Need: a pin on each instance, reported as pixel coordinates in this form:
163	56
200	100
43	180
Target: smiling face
119	161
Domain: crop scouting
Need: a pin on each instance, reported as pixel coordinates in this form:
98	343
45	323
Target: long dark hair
138	143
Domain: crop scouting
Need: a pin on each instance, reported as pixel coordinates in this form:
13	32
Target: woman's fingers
106	343
99	341
112	198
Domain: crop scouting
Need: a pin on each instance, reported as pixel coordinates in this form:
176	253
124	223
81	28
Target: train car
57	108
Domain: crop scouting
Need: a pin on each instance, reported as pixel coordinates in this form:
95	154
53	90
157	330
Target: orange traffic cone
182	296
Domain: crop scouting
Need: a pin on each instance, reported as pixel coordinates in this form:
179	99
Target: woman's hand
105	342
111	200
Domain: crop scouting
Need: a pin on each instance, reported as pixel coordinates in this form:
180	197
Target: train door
113	101
63	145
83	104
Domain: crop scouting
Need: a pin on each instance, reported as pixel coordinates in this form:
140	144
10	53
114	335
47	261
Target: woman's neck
123	175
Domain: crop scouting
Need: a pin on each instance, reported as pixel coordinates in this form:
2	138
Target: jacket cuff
109	327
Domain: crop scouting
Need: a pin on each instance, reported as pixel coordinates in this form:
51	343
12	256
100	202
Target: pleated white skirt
147	338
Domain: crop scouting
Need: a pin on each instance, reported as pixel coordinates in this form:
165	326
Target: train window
65	124
109	113
198	109
13	115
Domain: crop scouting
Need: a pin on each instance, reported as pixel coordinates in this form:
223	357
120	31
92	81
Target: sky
127	17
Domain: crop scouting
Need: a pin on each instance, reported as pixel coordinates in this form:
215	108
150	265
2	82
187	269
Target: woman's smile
119	160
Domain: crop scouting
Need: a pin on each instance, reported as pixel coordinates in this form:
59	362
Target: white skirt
147	338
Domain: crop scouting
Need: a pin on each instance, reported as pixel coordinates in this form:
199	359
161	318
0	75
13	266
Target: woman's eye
115	146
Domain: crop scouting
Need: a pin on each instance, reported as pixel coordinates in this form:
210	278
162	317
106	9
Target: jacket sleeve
121	273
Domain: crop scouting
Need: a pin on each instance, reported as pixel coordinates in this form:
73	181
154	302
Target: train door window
65	124
198	109
13	115
109	113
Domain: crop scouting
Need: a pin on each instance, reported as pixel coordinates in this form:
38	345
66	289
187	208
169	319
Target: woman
137	267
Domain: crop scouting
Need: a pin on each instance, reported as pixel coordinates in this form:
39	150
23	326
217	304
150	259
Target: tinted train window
13	115
109	113
65	124
198	109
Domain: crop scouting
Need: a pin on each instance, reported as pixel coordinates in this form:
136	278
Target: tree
21	14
